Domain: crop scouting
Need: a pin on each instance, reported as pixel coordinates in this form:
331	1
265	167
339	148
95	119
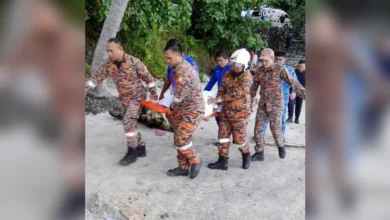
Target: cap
267	54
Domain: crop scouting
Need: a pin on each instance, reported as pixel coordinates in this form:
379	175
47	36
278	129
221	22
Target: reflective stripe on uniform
185	147
176	100
132	134
91	84
241	145
225	140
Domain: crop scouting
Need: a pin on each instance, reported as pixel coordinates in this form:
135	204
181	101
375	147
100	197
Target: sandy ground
273	189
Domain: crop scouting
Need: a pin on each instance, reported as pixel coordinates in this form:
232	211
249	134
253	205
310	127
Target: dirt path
273	189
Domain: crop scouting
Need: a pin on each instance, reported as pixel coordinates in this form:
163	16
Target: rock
97	105
112	207
165	215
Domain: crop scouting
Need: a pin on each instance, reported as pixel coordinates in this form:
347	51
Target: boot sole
257	159
173	175
212	168
126	163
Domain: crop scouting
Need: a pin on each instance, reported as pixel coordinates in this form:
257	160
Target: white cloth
166	101
208	107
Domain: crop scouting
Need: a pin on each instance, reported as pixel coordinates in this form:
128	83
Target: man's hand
153	98
293	96
86	89
170	111
207	118
212	100
161	96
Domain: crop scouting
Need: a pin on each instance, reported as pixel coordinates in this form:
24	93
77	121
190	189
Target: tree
110	29
221	25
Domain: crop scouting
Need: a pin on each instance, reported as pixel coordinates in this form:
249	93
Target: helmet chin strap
237	74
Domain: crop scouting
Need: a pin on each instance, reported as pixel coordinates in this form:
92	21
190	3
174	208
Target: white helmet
241	56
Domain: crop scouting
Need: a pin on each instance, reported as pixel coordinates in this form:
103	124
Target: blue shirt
286	86
301	77
171	76
217	76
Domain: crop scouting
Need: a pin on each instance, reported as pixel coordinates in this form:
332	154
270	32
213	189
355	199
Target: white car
270	14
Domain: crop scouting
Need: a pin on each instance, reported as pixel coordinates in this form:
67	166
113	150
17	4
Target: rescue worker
280	59
187	109
127	72
297	102
271	102
234	93
170	81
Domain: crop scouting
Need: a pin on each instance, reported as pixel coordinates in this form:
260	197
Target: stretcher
155	106
162	109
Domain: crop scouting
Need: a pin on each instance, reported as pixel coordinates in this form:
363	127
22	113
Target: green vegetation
202	26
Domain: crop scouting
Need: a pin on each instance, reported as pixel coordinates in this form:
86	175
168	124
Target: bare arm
167	84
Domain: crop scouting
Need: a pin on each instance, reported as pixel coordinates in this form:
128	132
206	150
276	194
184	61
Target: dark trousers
297	102
218	119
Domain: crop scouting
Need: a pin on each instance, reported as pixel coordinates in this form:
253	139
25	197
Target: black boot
116	113
141	151
194	170
130	157
282	152
297	120
246	160
258	156
289	119
178	171
221	164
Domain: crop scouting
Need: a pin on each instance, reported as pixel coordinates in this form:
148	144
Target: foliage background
202	26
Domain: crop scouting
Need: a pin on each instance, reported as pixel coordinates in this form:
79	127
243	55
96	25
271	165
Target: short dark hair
115	40
301	62
280	54
223	54
173	45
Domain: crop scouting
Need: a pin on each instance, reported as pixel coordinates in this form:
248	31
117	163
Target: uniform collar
272	68
124	60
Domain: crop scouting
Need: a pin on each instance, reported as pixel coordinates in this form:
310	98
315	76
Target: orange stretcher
155	106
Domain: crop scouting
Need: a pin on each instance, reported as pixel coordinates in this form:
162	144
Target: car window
286	16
